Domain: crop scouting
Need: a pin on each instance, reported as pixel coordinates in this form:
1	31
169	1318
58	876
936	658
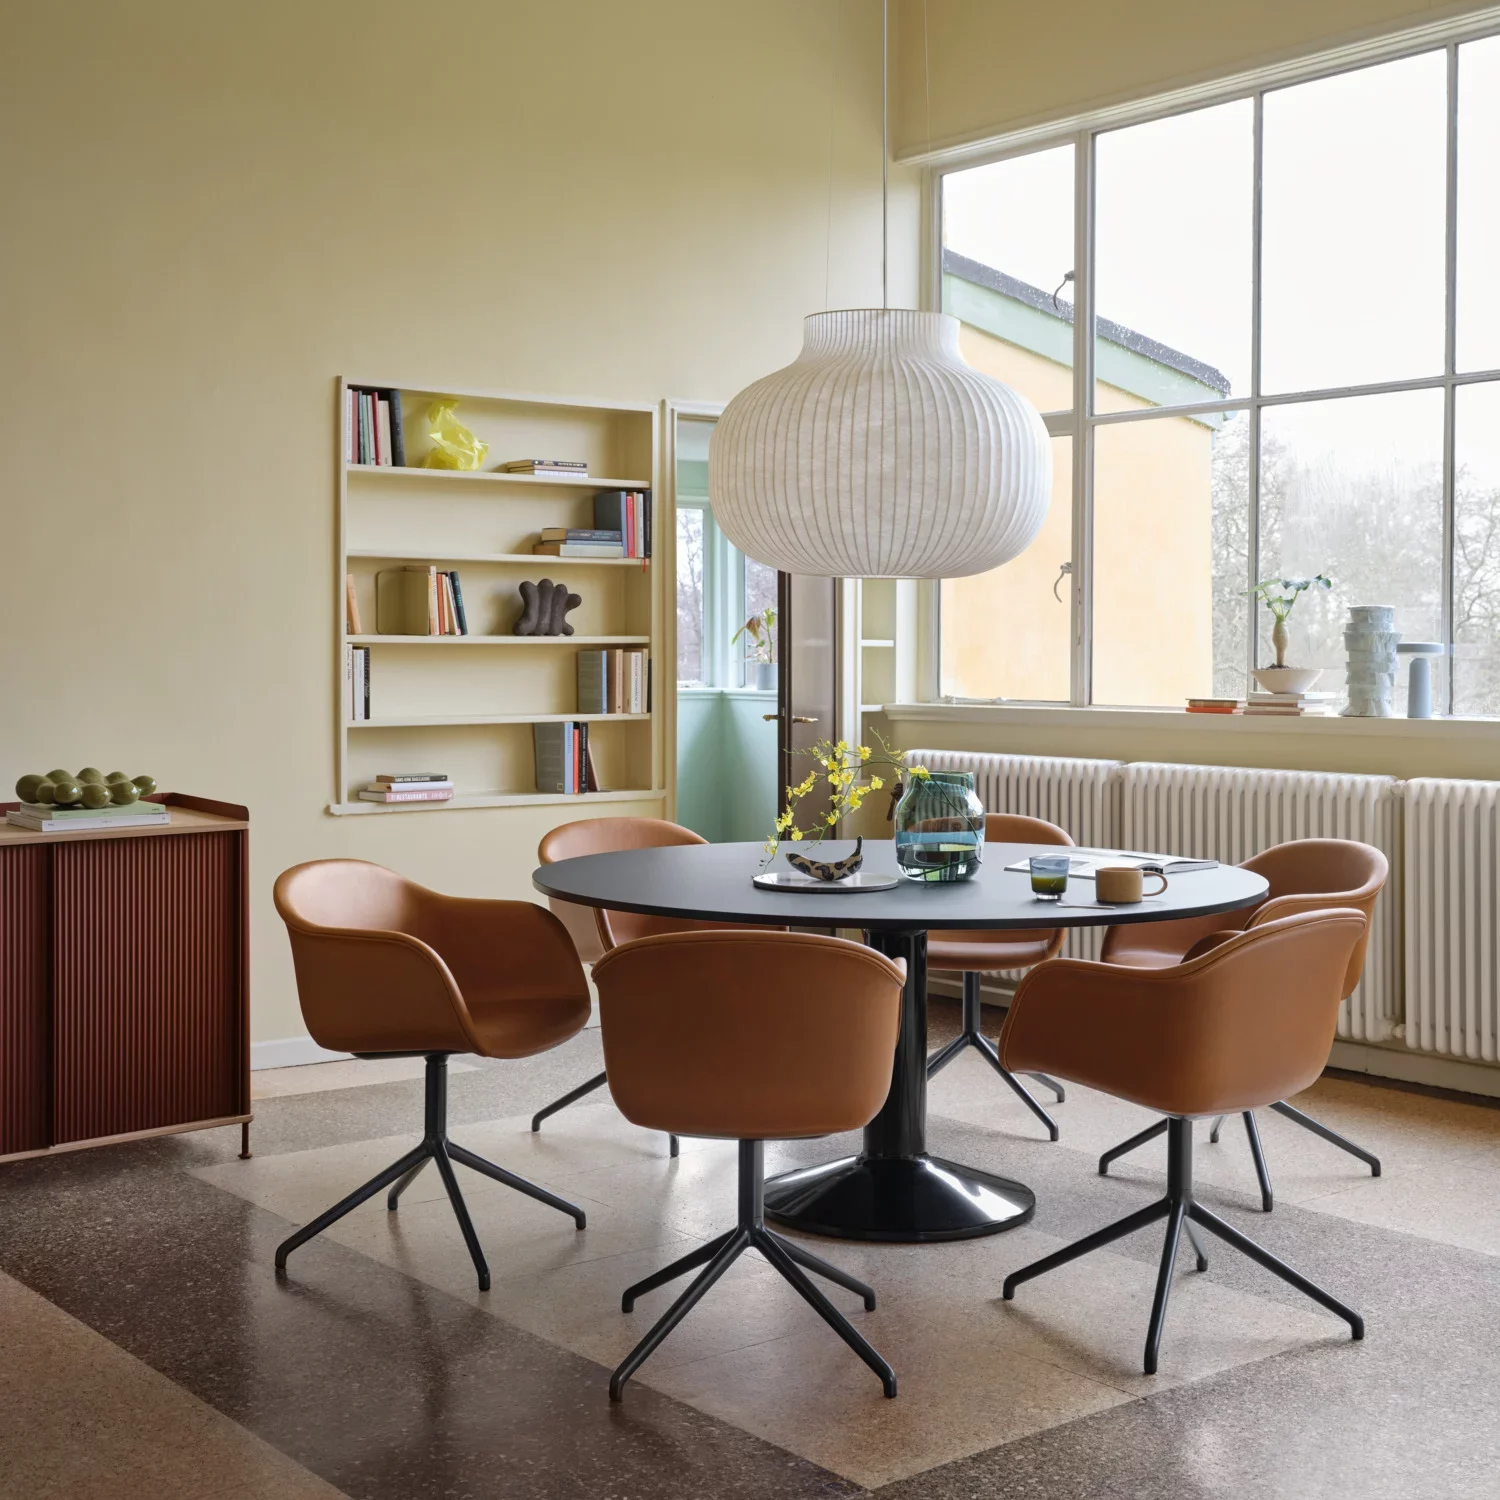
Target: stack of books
417	600
372	424
547	468
356	682
40	818
1214	706
410	786
614	681
1292	705
570	541
563	763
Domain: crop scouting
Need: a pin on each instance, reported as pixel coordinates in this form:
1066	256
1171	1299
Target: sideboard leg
245	1141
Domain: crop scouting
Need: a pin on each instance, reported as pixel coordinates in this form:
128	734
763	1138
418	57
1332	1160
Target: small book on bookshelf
563	762
436	779
578	549
629	513
372	420
548	468
382	790
357	682
616	680
416	600
351	607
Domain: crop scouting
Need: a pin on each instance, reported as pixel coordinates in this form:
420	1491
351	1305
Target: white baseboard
291	1052
1417	1067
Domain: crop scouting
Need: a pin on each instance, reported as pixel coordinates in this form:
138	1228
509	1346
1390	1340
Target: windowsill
1176	718
759	695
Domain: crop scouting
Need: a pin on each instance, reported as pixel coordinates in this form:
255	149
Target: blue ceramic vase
940	827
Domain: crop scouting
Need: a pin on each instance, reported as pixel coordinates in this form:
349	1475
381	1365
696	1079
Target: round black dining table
892	1190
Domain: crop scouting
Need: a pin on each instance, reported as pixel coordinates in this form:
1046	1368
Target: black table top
711	882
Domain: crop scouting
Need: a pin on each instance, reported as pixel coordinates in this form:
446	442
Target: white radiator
1452	925
1228	814
1077	795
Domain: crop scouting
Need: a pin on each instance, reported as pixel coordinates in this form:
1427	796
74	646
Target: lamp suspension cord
833	83
885	152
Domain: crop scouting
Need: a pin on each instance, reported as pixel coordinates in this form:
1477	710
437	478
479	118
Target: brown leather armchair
799	1041
595	931
974	954
388	968
1235	1027
1304	875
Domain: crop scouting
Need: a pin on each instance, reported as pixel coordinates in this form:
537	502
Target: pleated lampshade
879	453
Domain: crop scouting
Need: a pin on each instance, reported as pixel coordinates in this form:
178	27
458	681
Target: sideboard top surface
184	820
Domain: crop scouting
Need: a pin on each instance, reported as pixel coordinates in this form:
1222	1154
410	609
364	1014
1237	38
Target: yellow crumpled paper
453	445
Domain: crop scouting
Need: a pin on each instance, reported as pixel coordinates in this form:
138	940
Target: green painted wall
726	763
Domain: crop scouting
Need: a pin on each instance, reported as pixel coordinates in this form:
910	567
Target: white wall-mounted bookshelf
469	711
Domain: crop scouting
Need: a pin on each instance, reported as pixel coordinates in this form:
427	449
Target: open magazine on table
1085	863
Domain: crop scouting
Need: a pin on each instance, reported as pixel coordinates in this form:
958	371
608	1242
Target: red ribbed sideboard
124	980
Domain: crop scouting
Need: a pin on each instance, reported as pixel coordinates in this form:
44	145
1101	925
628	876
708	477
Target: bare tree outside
689	595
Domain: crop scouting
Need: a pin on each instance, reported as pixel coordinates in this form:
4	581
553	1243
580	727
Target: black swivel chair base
972	1036
788	1258
1181	1211
436	1148
1257	1155
573	1096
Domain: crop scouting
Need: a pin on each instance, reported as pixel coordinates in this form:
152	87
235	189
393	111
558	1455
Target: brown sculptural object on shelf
545	607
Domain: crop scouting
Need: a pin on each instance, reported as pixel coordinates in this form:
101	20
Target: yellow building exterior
1007	633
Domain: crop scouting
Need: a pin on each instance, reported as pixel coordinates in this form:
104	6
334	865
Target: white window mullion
1083	434
1450	397
1252	535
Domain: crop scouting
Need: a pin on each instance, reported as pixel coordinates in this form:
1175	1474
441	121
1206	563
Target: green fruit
116	776
90	773
145	785
67	791
121	792
44	793
59	775
26	787
95	794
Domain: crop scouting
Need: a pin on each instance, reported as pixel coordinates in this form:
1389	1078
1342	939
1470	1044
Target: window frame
724	607
1083	421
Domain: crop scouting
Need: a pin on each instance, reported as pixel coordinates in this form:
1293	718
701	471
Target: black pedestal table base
893	1190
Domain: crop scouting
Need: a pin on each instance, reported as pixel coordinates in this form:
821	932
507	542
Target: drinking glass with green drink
1049	876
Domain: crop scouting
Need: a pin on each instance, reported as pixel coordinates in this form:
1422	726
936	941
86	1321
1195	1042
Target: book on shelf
381	793
414	779
419	600
375	434
42	819
578	549
351	607
1213	705
356	682
563	761
579	534
1292	705
548	468
629	513
615	680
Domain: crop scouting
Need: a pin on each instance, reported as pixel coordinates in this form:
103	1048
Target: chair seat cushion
508	1028
983	952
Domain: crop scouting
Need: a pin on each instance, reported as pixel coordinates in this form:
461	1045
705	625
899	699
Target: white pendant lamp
879	453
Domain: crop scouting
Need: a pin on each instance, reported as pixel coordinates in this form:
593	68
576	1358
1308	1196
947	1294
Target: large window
1265	335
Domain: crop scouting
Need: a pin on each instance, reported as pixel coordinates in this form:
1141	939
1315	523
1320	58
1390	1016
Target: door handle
796	718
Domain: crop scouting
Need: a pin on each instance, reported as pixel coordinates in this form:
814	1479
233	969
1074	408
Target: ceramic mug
1122	885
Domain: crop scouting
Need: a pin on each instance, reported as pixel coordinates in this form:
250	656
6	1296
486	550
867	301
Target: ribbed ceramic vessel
878	453
1370	675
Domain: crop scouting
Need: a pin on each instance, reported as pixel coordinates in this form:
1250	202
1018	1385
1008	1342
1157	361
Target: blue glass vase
939	827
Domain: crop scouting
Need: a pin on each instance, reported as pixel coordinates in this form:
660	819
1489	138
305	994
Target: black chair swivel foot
718	1255
972	1036
1181	1210
573	1096
438	1149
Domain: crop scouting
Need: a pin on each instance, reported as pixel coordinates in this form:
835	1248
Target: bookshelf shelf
454	721
883	645
483	476
499	640
528	559
494	799
474	714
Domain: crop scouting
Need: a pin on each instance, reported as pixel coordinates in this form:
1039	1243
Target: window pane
760	595
689	595
1174	235
1006	634
1170	509
1007	244
1353	230
1353	489
1479	205
1476	551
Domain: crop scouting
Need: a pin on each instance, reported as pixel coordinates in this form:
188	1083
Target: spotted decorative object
829	869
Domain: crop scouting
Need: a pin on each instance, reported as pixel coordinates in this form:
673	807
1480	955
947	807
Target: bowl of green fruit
89	792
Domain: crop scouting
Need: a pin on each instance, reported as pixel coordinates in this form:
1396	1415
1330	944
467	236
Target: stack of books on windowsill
547	468
573	541
1214	706
1291	705
412	786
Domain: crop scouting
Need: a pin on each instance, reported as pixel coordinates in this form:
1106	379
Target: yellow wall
996	67
212	211
1004	633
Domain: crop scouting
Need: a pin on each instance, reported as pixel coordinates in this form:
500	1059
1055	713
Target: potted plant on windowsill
1280	596
759	634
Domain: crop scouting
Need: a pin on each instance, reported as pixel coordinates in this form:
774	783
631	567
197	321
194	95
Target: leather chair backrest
382	962
1246	1023
1016	828
595	931
748	1035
